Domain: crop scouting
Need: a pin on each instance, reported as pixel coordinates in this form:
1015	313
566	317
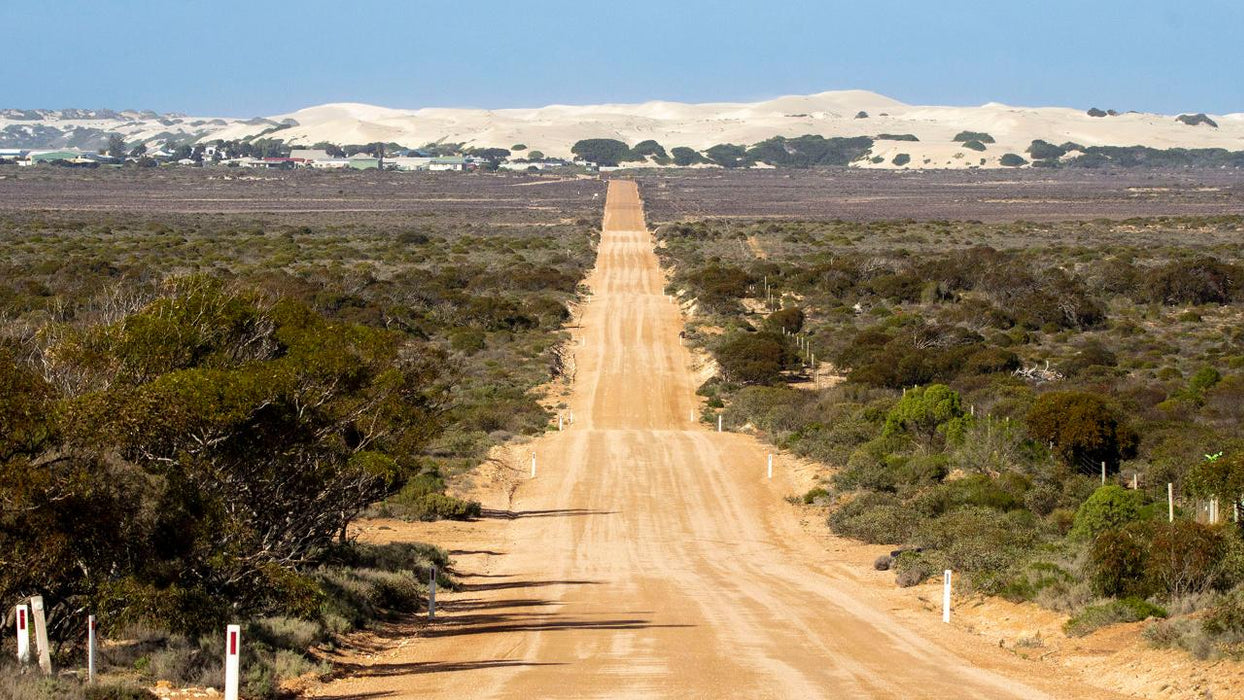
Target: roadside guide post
233	655
946	597
22	621
90	649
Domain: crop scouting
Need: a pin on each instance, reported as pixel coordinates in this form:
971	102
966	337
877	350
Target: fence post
233	654
41	634
1170	502
22	621
946	597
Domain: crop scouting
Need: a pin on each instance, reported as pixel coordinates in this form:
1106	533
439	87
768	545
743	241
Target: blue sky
261	57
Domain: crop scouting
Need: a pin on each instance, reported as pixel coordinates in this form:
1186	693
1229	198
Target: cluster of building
298	158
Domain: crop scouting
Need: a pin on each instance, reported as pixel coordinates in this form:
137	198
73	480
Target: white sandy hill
554	129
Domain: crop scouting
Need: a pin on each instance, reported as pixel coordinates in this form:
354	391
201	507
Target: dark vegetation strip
193	409
989	372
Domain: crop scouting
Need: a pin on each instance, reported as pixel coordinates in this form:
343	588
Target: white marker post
770	466
233	655
691	415
533	465
1170	502
719	422
1103	473
22	620
41	634
432	594
90	649
559	422
946	598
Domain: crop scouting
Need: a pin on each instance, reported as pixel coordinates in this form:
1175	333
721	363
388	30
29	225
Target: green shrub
607	152
926	413
980	136
1042	150
901	159
1188	558
754	358
684	156
974	145
1083	428
815	495
1116	562
914	568
1095	617
1012	160
1109	507
789	319
874	518
1035	579
980	542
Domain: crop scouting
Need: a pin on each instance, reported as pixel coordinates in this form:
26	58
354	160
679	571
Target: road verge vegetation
971	385
194	409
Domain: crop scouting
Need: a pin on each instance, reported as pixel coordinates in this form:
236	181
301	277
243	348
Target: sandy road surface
652	558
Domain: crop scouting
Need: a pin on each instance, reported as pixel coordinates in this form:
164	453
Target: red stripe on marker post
21	619
233	643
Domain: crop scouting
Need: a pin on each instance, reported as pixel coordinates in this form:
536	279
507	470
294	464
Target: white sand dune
555	128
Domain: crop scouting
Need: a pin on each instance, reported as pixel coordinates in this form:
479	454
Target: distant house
52	156
448	163
274	163
327	164
309	154
363	161
409	162
525	165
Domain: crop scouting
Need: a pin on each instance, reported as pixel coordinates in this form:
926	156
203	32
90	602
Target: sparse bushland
193	409
990	371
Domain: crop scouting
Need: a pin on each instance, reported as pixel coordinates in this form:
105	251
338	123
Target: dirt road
651	556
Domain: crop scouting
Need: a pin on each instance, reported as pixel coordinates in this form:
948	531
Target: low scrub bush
875	518
1110	507
1095	617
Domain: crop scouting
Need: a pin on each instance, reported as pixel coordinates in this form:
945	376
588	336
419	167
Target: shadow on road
502	585
461	625
552	513
422	668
